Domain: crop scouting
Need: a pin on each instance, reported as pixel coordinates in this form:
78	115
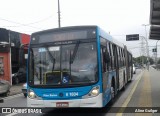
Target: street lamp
146	45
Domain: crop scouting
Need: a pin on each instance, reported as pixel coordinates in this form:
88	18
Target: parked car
18	77
138	66
4	87
134	69
24	89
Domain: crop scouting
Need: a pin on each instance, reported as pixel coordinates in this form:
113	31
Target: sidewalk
16	89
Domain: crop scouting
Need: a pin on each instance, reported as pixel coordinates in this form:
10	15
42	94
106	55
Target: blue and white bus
79	66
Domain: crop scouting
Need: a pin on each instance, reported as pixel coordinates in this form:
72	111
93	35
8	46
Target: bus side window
103	59
112	57
120	55
117	56
109	55
123	57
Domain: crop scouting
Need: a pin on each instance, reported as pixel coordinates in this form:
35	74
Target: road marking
129	96
145	94
13	96
10	97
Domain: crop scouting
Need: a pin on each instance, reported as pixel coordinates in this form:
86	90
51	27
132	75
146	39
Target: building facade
10	44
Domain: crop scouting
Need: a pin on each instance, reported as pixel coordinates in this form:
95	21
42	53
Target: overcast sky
118	17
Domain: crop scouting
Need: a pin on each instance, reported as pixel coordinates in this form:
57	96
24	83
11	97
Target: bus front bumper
88	102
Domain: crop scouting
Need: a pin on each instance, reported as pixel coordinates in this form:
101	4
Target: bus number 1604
73	94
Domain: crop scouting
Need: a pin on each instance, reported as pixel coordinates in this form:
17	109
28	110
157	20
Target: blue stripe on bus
99	58
105	35
61	93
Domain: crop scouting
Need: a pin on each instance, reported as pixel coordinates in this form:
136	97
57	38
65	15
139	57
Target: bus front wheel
112	95
112	92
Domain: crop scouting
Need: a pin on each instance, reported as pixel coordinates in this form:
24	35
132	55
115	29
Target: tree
143	59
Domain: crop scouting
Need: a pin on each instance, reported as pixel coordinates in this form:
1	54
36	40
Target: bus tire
124	84
112	92
25	94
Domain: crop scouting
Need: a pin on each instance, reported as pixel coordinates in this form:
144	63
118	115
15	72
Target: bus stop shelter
154	20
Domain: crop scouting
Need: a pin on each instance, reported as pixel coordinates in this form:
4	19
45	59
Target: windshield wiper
52	58
74	52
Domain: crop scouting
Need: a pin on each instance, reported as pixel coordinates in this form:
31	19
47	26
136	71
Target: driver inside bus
55	78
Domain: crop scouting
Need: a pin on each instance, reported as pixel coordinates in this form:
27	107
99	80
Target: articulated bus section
79	66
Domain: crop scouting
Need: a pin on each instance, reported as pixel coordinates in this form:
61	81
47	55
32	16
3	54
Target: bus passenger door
105	74
116	65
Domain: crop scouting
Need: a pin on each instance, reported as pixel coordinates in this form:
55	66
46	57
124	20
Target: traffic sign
132	37
154	50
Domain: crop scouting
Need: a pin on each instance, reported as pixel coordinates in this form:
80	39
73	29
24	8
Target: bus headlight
94	92
32	95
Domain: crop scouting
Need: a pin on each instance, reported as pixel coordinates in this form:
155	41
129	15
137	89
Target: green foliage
143	59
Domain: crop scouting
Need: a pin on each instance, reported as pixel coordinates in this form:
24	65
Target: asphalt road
143	91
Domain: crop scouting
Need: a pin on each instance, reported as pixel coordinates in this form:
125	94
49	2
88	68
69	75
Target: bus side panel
122	77
107	91
106	77
99	62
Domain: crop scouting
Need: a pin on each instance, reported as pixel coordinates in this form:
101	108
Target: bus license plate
62	104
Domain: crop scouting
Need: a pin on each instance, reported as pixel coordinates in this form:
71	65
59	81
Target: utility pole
156	54
142	51
59	16
146	45
147	51
10	55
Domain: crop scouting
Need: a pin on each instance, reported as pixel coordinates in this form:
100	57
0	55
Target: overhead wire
18	23
28	24
42	20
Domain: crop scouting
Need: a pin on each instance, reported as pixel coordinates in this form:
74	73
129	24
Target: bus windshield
68	64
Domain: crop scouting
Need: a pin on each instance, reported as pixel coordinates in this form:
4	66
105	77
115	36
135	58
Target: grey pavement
16	89
146	93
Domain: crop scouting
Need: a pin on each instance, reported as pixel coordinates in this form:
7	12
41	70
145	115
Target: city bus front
63	70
